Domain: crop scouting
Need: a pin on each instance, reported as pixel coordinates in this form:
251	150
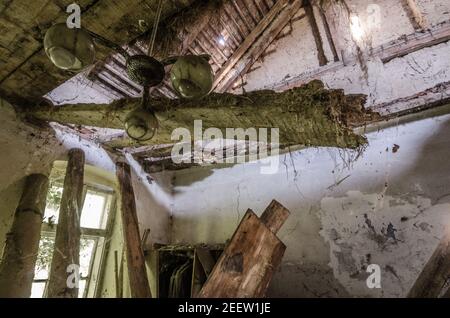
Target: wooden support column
22	243
66	253
137	272
248	263
415	15
436	272
315	31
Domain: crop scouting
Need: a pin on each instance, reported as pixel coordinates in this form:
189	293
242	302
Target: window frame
95	235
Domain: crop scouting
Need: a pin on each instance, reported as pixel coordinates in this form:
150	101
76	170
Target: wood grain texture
256	42
309	115
137	272
245	268
274	216
22	243
67	241
26	74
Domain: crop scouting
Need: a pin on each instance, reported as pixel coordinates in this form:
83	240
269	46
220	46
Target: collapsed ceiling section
27	74
143	43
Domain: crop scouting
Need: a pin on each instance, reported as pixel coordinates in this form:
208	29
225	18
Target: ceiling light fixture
191	75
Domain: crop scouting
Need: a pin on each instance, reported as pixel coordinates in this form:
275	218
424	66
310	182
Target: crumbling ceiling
26	74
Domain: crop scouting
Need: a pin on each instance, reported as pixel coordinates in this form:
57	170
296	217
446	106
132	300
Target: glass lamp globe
69	49
192	76
141	124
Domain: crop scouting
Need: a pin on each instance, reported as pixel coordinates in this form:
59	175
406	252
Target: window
95	222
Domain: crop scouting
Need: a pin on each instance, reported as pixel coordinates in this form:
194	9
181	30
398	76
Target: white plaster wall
297	51
295	57
328	235
25	150
434	11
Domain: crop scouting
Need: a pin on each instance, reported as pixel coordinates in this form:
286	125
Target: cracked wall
25	149
387	207
293	59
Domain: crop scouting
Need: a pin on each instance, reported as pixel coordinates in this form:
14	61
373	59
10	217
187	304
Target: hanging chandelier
191	76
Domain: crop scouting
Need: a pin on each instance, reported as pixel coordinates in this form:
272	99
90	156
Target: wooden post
137	272
246	267
315	31
433	277
22	244
66	253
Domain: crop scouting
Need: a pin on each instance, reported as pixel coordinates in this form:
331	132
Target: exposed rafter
29	74
309	115
256	43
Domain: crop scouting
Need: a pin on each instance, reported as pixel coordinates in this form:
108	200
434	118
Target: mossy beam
309	115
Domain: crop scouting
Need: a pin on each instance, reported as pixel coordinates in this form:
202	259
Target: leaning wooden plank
137	272
436	272
248	263
22	243
274	216
310	115
66	254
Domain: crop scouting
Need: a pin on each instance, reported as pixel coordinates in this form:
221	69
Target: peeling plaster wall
294	59
25	150
387	207
434	11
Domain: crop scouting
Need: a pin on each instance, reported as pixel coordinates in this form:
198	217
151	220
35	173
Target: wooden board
246	266
137	272
67	240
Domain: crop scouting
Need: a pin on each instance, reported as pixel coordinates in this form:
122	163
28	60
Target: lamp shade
69	49
145	70
192	76
141	124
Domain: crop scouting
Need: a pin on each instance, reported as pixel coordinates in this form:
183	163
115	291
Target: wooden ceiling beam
415	15
230	13
115	20
309	11
299	114
231	32
241	14
256	43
